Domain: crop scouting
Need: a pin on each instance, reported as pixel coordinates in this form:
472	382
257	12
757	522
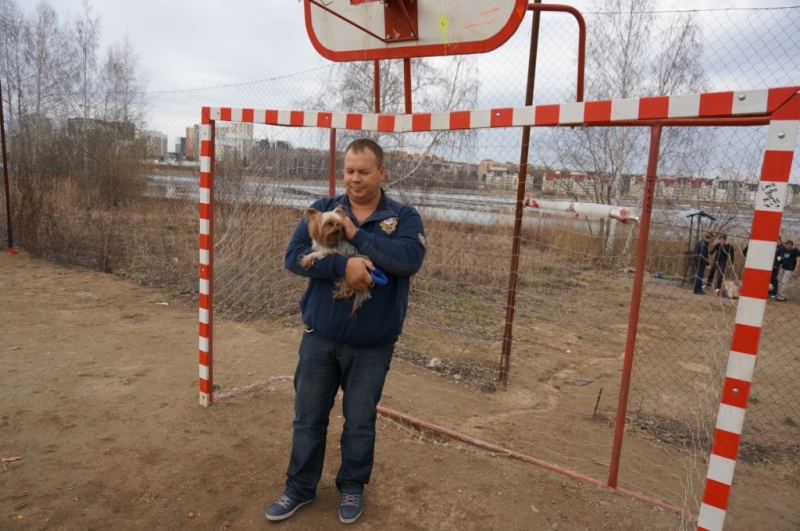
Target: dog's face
325	228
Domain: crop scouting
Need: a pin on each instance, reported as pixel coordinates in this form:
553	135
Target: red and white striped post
206	293
773	183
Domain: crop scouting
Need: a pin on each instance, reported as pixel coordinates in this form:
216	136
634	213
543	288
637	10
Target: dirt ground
98	386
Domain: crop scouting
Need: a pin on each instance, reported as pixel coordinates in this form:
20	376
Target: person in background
701	261
776	266
788	260
723	259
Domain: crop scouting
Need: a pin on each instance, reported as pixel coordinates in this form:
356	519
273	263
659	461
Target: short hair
723	237
789	242
709	235
360	144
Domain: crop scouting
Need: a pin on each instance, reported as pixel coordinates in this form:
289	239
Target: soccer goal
444	373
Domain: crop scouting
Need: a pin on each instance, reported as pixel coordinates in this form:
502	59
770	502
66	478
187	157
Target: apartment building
156	144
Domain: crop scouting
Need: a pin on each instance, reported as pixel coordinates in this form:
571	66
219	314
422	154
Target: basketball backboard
359	30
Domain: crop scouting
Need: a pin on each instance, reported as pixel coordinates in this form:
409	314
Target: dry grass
458	300
154	241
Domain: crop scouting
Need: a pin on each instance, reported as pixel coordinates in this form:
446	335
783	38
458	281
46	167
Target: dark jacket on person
724	253
701	252
393	238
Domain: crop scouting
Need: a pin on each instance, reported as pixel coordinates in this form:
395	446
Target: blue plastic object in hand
379	277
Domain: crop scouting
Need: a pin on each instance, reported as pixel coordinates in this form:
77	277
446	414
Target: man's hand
349	228
357	272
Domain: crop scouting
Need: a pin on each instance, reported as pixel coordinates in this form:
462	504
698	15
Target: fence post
5	175
505	356
206	291
636	299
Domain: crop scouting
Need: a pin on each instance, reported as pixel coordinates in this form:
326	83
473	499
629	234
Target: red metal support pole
505	356
636	300
376	74
537	7
407	83
332	164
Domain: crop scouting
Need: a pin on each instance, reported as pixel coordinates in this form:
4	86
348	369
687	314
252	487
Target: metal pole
636	299
376	73
332	164
537	7
407	83
205	299
505	356
5	176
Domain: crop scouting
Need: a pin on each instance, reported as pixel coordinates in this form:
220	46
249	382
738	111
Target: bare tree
13	67
48	55
632	56
86	40
122	84
438	84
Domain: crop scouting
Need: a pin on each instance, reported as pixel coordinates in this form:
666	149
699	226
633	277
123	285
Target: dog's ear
309	213
339	210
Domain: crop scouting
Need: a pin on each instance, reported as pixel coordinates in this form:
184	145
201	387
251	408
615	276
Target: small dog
327	235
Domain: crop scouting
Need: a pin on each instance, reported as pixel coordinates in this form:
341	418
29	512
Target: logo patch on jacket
389	225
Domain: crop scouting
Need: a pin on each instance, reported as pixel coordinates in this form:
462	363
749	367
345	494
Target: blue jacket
394	240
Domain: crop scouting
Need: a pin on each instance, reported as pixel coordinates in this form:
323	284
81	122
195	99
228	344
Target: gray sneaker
284	507
350	507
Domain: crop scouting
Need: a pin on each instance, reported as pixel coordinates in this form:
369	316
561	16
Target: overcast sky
194	44
198	43
186	44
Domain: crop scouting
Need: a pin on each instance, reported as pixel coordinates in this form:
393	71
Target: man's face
790	246
362	176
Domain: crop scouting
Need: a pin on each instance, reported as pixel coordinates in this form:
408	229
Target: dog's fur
327	235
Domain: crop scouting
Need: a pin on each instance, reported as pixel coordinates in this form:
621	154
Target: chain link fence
124	200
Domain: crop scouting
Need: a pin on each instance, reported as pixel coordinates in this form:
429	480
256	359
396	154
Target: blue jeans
323	366
698	279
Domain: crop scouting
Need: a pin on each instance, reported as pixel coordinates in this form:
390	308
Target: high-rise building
234	140
180	147
156	144
190	144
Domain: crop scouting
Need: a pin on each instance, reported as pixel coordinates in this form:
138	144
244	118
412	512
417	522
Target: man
723	260
776	267
788	260
701	261
351	352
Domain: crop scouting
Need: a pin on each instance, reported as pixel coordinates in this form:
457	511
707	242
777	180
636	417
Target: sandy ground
98	386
